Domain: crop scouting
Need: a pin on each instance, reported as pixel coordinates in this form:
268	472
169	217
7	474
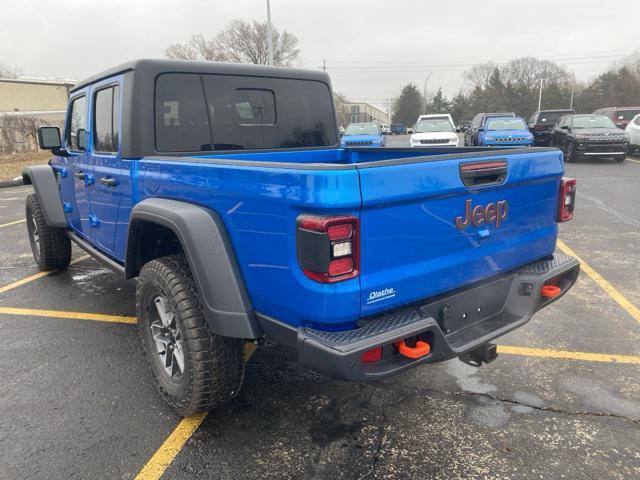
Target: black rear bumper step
453	324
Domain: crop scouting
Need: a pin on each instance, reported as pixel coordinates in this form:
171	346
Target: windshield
626	114
550	118
592	121
425	126
362	129
506	124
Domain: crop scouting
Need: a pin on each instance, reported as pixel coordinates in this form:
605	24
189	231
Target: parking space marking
606	286
97	317
632	160
163	457
12	223
36	276
568	355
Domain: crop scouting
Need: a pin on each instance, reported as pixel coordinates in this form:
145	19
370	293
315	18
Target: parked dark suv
541	124
589	136
471	134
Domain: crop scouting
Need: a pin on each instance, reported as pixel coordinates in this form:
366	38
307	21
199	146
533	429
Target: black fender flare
211	258
45	184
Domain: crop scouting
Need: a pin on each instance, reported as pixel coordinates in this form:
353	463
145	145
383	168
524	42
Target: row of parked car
609	132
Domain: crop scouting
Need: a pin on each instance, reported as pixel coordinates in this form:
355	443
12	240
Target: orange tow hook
421	349
550	291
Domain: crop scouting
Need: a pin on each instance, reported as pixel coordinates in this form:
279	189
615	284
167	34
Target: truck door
104	153
75	175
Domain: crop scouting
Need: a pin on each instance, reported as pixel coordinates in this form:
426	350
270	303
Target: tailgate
424	232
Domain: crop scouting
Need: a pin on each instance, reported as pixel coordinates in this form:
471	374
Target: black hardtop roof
158	66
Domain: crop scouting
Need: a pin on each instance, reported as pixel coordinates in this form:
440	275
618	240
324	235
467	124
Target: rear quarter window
225	112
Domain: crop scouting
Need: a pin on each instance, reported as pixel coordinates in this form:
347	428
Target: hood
507	133
433	135
597	131
361	138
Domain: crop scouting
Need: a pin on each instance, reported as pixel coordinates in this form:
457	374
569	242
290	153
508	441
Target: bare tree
8	72
480	75
241	42
196	48
526	73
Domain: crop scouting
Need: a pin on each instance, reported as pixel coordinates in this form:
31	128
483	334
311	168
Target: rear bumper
453	324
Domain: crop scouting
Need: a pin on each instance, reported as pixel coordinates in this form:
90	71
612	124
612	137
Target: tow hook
486	353
420	350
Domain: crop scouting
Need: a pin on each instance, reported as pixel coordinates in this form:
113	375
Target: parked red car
621	116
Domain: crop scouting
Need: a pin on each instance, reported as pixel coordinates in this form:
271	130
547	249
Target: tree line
514	87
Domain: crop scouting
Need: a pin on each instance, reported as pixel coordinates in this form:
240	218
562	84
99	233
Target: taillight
328	247
567	199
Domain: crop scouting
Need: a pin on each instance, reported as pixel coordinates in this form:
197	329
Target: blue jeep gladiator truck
222	188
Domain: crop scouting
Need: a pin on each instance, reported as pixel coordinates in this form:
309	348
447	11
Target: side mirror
481	129
82	139
49	138
565	127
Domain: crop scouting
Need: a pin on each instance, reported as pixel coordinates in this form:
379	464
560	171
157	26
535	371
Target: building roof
41	81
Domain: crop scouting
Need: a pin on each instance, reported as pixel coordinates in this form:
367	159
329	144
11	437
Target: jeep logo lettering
493	213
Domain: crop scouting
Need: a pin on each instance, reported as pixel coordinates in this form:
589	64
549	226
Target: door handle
109	181
80	175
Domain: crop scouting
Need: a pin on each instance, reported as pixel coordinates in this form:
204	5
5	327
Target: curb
16	182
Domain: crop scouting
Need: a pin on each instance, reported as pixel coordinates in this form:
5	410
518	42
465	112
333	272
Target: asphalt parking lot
561	401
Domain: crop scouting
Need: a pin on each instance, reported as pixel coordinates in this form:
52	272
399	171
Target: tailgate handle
480	174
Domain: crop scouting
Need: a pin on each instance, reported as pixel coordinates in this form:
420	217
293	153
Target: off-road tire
51	246
569	152
213	365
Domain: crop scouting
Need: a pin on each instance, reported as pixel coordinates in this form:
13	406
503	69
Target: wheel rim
35	235
167	338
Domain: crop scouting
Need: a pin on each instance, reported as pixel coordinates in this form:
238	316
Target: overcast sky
372	48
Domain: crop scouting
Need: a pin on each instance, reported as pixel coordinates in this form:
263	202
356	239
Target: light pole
269	32
425	93
540	95
573	87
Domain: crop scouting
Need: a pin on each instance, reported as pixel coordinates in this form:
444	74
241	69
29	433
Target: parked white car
438	116
434	132
633	129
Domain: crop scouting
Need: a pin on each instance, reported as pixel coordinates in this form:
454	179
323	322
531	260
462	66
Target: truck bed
406	201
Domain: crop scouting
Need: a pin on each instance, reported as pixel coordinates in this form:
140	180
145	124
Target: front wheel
569	152
194	369
50	245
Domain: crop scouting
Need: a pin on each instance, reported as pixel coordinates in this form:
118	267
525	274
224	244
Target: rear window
224	112
550	118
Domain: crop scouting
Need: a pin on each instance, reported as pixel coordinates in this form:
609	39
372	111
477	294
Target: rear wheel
50	245
194	370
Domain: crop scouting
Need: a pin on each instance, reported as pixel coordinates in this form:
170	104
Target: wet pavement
76	400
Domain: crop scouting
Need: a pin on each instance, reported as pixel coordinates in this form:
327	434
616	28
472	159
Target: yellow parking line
36	276
606	286
98	317
632	160
567	355
163	457
12	223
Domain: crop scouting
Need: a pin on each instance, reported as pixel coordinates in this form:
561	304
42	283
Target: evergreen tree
408	107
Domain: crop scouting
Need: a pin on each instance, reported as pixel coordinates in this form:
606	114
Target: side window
77	124
106	114
637	121
182	123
